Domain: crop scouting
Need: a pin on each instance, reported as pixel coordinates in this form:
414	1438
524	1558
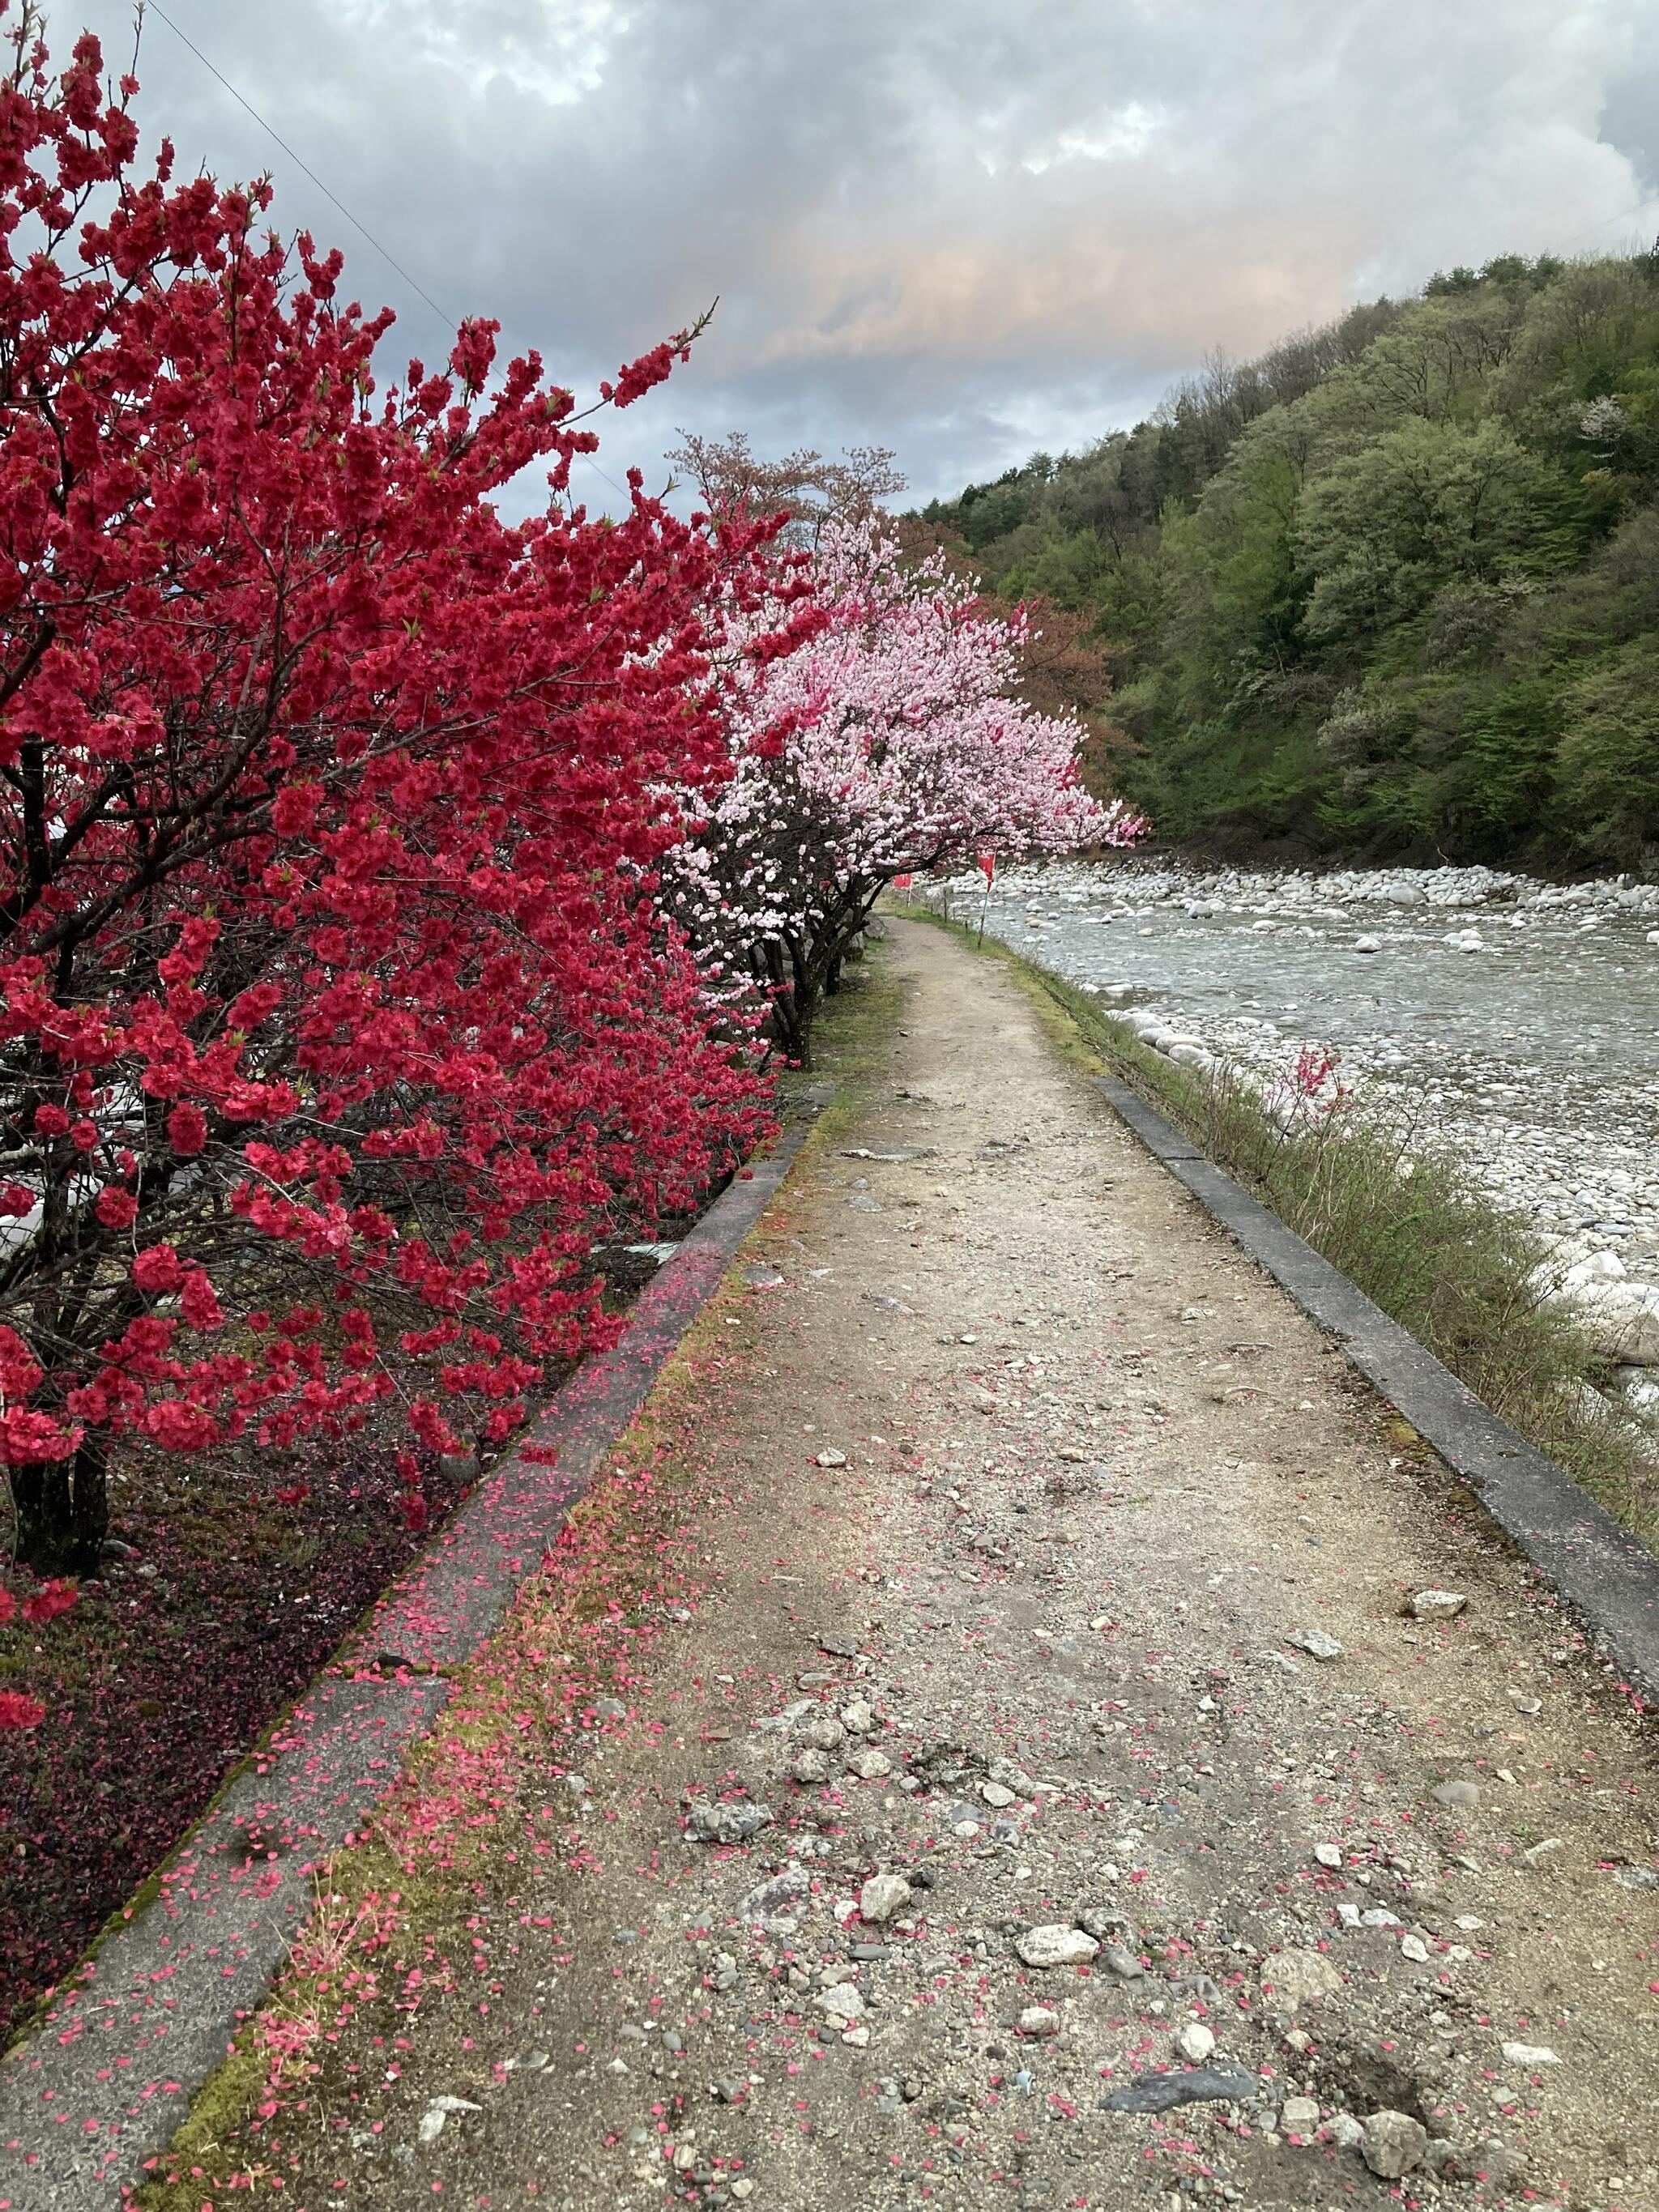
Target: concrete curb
1576	1545
108	2073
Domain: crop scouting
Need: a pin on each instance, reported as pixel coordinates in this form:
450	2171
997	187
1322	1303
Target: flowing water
1518	1020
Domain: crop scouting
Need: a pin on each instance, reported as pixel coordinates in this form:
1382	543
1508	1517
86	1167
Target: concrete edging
1574	1544
103	2080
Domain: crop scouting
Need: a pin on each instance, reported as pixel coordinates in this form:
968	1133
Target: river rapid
1517	1020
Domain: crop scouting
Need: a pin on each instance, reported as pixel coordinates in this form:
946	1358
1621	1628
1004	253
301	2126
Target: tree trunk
767	964
63	1511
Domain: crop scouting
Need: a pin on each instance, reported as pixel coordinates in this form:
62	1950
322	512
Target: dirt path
1029	1661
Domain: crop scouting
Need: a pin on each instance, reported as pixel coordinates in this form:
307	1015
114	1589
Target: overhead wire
450	321
1651	200
384	252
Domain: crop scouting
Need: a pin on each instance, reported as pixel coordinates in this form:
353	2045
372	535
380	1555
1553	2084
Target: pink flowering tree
889	741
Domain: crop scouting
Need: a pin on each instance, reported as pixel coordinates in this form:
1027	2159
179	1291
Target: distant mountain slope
1392	588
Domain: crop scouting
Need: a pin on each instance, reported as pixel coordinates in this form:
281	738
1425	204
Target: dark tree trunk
63	1512
796	973
768	966
814	973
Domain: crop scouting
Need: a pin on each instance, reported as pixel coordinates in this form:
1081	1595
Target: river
1516	1019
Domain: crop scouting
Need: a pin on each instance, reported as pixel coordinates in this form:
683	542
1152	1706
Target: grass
1402	1215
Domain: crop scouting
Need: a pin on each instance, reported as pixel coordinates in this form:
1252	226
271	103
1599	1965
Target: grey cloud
952	226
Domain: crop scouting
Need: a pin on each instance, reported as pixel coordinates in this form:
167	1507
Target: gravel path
990	1836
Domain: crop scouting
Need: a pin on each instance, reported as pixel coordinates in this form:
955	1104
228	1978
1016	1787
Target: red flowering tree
336	1022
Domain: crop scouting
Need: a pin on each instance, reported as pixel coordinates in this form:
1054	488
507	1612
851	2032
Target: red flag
987	865
900	883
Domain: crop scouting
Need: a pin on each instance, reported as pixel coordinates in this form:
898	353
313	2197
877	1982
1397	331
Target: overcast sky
964	228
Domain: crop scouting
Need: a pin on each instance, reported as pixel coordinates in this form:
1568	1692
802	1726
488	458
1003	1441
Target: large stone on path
1392	2144
884	1895
843	2003
1162	2093
1437	1605
1299	1977
1056	1947
727	1824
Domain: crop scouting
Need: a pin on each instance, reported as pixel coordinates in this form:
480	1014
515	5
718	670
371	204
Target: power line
386	254
445	317
1605	220
598	471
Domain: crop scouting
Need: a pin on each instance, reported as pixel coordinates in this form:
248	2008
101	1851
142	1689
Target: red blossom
158	1268
116	1208
49	1600
178	1427
199	1300
27	1437
640	376
359	791
187	1129
19	1372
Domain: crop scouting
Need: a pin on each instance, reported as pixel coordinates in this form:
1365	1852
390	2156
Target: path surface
1031	1655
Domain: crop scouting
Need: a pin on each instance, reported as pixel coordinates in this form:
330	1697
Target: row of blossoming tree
891	741
399	902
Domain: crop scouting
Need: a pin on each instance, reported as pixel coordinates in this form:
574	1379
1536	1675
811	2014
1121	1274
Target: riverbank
1487	1019
1047	1787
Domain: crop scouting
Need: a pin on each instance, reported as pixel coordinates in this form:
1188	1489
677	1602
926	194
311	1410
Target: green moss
219	2111
849	1040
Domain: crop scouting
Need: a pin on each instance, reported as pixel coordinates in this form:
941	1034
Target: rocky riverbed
1514	1019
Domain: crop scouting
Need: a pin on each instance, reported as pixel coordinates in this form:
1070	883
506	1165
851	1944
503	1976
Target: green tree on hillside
1390	587
1425	505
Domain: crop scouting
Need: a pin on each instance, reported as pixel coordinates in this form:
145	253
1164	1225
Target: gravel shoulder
989	1834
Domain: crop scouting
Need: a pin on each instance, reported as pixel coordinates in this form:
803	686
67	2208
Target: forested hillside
1393	588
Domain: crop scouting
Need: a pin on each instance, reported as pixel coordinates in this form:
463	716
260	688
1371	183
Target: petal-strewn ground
1054	1799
